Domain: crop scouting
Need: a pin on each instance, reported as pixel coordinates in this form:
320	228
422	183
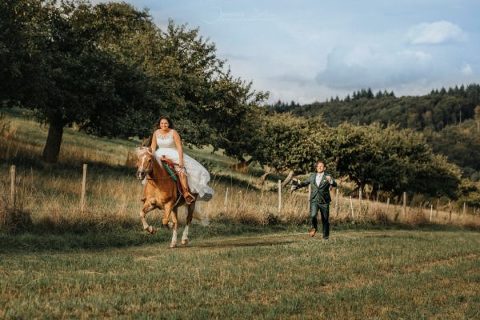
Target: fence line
353	211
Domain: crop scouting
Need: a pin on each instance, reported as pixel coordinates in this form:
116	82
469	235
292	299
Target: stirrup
189	198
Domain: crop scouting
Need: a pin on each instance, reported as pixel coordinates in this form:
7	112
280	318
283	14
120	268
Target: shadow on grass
246	243
48	238
41	238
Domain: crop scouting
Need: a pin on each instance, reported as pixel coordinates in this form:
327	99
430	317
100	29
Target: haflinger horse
161	192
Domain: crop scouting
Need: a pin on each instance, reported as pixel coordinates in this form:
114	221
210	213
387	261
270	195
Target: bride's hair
170	123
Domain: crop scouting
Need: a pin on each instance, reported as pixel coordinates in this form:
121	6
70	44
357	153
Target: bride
194	177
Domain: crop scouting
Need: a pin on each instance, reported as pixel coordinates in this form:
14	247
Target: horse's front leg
190	209
147	207
173	244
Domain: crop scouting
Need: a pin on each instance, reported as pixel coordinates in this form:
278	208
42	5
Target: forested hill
435	110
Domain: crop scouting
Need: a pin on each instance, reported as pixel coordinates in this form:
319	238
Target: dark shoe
312	232
325	238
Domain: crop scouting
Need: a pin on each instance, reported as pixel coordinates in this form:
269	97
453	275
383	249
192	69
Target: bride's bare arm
178	144
153	145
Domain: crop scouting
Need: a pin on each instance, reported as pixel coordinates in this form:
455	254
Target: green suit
320	200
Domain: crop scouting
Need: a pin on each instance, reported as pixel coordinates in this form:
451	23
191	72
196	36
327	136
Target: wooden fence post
225	202
279	196
309	194
449	210
404	205
84	187
431	212
12	186
336	202
359	202
351	208
464	208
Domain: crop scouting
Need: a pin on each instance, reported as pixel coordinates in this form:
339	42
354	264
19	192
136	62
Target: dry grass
52	194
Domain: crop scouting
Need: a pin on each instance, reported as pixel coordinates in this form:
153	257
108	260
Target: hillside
450	119
435	111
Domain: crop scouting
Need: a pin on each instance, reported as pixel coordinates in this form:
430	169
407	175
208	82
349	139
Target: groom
321	183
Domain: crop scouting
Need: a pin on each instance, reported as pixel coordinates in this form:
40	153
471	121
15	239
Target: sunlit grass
357	274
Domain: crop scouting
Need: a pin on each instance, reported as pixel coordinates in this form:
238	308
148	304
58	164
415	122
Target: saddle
169	166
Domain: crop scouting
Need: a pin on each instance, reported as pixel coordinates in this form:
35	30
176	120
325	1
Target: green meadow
245	259
265	273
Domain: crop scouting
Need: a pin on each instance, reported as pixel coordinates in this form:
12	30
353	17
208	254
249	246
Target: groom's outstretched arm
297	184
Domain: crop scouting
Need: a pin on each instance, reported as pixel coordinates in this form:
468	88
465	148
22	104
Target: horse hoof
150	229
173	245
184	242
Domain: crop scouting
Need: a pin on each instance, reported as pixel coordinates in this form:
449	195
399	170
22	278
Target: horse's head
144	162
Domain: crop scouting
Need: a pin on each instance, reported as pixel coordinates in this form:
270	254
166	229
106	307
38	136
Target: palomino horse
160	192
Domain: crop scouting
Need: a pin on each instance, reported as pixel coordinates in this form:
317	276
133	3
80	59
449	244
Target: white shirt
318	178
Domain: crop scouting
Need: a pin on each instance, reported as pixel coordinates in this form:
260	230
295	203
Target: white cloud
435	33
375	67
467	70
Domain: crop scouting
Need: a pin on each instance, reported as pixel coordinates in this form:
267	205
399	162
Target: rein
171	175
170	172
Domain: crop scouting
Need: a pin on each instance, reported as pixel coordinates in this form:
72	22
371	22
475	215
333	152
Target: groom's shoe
312	232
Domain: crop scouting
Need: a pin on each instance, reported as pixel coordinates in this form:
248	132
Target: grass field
262	274
251	261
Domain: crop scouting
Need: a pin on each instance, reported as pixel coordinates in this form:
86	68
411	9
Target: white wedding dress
197	176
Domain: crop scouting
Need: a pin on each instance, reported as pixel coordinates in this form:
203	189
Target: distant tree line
433	111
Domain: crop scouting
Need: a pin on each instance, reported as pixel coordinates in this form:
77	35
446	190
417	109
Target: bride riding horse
161	192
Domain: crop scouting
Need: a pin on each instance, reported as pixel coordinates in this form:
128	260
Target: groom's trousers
324	214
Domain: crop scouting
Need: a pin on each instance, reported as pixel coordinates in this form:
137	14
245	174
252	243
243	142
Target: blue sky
309	50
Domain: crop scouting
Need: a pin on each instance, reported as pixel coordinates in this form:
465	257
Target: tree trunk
288	178
54	140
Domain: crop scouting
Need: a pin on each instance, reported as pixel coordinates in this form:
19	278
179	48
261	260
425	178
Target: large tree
67	77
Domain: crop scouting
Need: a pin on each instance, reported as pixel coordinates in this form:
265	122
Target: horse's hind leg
173	244
190	209
147	208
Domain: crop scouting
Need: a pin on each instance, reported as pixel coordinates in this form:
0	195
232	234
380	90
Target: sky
312	50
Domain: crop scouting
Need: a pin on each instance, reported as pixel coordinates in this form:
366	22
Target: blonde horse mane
141	151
